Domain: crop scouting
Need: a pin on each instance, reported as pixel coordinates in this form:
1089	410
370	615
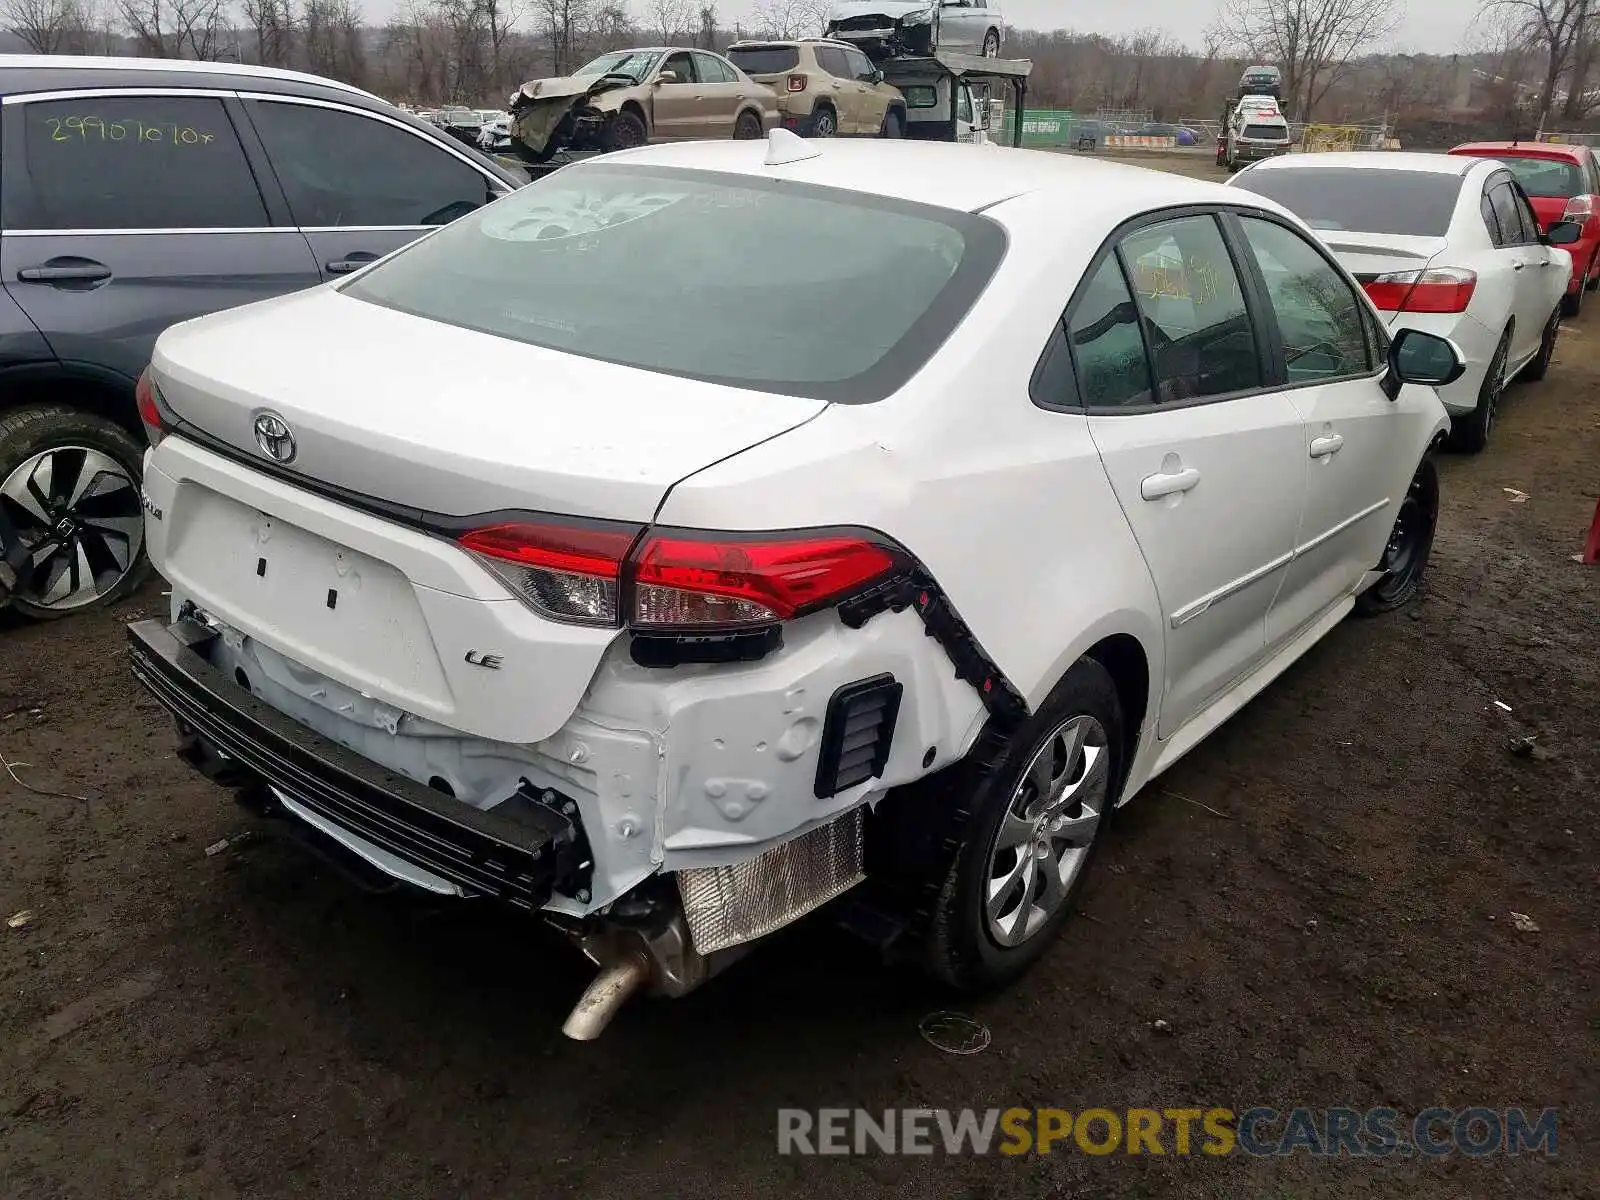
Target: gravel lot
1317	903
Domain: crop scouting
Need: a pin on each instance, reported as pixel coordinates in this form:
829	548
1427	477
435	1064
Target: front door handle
1519	264
1325	447
1154	487
343	266
66	270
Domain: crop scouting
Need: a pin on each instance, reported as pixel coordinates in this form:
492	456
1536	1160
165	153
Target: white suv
563	560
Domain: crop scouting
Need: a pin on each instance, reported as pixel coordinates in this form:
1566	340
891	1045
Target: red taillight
690	581
799	83
145	395
1441	290
568	572
677	580
1579	208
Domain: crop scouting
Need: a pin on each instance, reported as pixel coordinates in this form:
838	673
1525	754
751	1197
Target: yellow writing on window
98	129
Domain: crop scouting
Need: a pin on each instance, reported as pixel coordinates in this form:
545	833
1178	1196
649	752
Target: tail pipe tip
605	996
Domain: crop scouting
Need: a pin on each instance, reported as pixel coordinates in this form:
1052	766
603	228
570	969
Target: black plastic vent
857	733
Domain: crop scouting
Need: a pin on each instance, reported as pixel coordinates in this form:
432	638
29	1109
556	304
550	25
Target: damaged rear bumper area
521	851
683	906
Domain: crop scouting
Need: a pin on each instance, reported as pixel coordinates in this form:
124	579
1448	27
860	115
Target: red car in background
1563	182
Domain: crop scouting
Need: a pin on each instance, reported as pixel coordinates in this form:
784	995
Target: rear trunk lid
450	420
433	420
1370	255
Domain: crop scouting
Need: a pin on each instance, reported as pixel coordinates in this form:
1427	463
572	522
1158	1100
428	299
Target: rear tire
1028	832
893	125
1469	433
748	128
991	44
824	123
1572	302
1539	367
1405	558
95	523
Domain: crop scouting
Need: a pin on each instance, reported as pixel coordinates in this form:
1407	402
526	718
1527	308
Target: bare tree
46	26
563	25
613	26
791	18
1559	31
669	20
331	39
178	28
1313	42
273	22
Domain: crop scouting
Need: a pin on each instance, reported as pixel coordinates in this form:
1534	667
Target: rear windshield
1408	203
1553	177
1270	133
765	60
763	284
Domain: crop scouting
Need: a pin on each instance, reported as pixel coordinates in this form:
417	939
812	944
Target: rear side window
1376	200
1202	342
712	69
762	284
1113	371
1491	222
832	60
340	169
1556	178
765	60
132	162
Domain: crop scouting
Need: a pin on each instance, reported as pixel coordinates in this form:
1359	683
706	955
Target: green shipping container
1047	127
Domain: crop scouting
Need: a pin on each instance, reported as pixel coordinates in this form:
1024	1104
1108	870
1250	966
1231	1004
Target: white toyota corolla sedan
1445	244
708	531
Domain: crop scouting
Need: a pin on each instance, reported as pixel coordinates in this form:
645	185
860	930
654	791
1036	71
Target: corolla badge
275	437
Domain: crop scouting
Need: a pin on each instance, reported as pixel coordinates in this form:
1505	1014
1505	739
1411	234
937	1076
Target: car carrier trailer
947	94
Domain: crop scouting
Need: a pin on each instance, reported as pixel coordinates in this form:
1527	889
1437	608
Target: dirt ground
1317	904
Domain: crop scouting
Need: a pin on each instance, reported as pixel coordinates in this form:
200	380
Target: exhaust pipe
605	996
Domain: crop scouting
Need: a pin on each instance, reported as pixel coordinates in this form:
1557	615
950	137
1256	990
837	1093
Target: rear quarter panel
1005	503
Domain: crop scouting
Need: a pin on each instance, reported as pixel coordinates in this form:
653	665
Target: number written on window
132	162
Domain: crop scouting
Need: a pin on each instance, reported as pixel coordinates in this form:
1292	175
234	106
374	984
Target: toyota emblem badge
274	437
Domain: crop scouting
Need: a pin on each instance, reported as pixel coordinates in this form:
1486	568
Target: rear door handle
1325	447
1519	264
343	266
72	271
1154	487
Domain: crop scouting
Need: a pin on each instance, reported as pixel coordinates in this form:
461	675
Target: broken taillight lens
151	411
603	573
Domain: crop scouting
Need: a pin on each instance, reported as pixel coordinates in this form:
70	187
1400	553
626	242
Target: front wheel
991	44
626	131
893	125
1405	558
748	127
1030	829
1572	302
69	485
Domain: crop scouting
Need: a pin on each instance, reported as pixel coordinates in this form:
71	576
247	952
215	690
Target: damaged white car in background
568	563
890	28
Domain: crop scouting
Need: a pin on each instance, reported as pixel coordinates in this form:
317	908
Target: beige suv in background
824	88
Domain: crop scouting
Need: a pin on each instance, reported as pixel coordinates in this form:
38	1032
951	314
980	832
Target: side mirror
877	75
1424	359
666	77
1563	233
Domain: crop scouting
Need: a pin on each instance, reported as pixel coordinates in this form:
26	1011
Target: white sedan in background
1444	244
696	603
